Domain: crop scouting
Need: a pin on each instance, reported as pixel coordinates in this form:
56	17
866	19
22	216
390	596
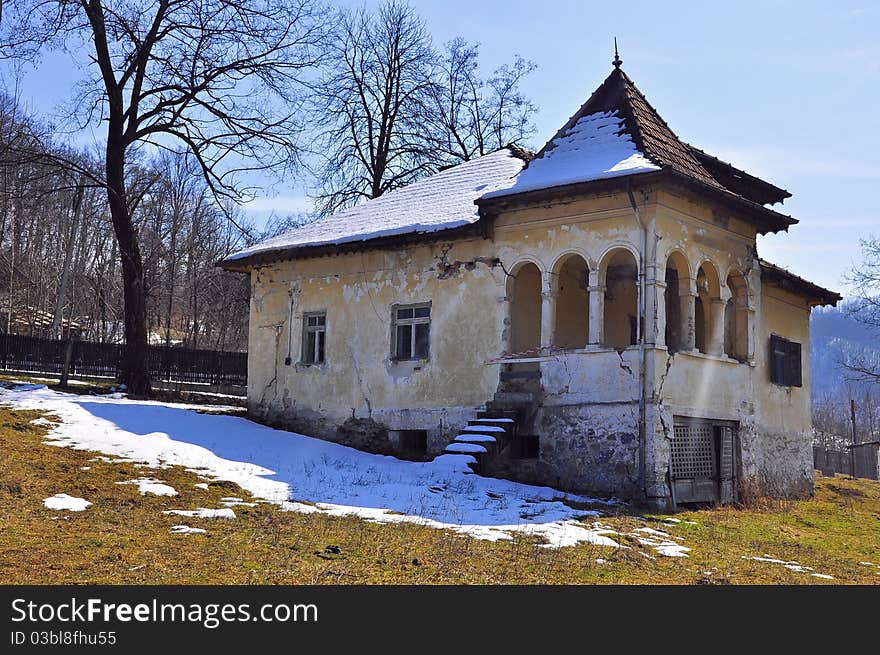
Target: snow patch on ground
151	486
791	566
201	485
203	513
185	529
65	502
310	475
232	501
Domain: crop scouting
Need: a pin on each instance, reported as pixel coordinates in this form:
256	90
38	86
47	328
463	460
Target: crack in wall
446	269
659	395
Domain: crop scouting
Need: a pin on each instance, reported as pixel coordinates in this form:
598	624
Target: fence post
852	451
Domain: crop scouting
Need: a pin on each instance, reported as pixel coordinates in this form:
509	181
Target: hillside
835	337
107	490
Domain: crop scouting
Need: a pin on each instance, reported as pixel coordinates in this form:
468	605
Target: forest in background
59	260
363	102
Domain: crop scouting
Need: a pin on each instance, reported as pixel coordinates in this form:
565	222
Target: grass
123	538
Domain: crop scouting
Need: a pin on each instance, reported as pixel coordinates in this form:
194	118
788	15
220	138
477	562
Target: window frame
307	329
786	361
412	322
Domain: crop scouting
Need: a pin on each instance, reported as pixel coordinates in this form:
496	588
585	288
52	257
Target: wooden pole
852	451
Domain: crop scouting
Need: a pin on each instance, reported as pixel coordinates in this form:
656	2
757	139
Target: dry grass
124	537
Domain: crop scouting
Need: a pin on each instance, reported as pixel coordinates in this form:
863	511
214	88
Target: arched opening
677	276
708	289
526	309
620	322
572	303
736	318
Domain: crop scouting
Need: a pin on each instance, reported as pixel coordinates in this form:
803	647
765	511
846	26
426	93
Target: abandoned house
594	317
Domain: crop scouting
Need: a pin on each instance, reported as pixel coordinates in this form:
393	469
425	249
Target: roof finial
617	60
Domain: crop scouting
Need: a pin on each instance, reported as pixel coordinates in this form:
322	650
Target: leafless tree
471	116
218	77
865	308
59	269
371	105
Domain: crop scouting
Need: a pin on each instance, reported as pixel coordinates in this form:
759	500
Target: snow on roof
594	148
442	201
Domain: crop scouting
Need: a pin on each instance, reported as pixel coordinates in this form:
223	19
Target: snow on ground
232	501
185	529
661	542
791	566
65	502
151	486
310	475
203	513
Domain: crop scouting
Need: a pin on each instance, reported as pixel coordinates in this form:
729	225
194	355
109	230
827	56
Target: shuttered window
785	362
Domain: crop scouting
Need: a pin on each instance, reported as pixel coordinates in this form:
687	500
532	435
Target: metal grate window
693	452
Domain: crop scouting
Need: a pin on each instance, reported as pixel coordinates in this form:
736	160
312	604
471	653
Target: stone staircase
484	438
500	427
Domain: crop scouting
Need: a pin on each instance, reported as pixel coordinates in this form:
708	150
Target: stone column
548	309
752	303
716	334
687	296
660	291
597	310
749	312
505	314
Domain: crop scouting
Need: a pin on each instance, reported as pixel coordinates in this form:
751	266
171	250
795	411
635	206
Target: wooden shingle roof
655	139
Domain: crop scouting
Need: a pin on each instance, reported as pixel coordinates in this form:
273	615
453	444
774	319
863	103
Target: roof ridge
693	166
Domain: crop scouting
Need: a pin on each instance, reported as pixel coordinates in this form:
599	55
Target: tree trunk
76	210
135	373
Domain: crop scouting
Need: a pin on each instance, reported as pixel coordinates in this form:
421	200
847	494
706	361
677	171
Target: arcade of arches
572	307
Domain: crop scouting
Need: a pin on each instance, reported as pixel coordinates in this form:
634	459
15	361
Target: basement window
314	337
785	362
413	443
411	332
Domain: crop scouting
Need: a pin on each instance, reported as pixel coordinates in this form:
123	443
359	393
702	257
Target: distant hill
835	337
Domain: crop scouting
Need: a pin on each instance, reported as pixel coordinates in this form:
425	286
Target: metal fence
169	363
864	456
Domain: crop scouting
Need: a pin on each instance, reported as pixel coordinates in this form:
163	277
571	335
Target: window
412	443
411	333
314	337
785	362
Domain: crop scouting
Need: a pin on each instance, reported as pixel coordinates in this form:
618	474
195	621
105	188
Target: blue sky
786	90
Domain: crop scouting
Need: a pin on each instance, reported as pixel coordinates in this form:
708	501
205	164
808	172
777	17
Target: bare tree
865	308
219	77
471	116
372	104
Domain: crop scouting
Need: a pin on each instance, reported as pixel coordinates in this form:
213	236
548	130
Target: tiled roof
651	138
773	274
441	201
